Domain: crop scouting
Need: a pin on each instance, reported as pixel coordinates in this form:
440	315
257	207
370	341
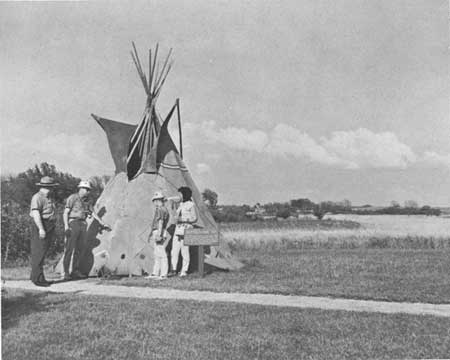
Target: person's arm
175	199
194	216
100	221
38	221
96	217
160	228
178	213
67	209
166	239
66	218
36	206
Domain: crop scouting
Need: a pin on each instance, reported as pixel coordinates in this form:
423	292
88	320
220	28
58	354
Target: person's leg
164	262
70	246
176	247
79	246
81	229
157	260
186	257
36	251
49	236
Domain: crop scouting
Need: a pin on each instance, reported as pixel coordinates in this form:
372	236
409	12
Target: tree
283	213
302	204
231	213
395	204
98	183
210	198
319	212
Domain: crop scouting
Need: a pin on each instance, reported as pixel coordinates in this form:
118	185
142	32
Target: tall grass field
343	232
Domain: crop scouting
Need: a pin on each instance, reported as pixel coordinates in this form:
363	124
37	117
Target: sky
329	100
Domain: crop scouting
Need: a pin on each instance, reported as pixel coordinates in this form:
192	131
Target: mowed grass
66	326
377	274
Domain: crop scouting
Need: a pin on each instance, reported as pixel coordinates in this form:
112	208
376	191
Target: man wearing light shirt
78	208
42	210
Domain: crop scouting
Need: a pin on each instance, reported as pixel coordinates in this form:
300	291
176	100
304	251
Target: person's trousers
177	246
161	266
39	248
75	244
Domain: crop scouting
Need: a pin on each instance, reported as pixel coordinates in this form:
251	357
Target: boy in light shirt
160	237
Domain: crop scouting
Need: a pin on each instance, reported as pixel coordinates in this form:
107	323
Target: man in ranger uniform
78	208
43	213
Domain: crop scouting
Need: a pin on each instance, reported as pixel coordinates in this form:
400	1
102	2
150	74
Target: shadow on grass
18	304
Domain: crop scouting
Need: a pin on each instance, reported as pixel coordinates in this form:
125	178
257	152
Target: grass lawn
379	274
66	326
386	274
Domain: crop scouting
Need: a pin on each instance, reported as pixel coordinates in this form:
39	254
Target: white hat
158	196
85	184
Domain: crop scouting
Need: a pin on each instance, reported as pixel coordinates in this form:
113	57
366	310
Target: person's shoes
183	274
152	276
172	273
163	277
67	277
42	283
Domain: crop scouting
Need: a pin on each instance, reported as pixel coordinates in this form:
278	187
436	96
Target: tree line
304	206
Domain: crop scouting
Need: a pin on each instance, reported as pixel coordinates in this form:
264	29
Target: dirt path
88	287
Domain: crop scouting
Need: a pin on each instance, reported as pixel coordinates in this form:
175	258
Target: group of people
185	217
78	208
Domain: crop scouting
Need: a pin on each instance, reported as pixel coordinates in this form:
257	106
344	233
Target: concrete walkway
88	287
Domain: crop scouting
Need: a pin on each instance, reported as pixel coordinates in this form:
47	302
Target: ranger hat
47	181
158	196
85	184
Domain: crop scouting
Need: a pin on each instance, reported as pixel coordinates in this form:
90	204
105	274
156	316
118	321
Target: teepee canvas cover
146	160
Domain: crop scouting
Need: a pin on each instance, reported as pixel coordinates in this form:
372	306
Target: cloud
238	138
354	149
363	148
287	140
73	153
435	159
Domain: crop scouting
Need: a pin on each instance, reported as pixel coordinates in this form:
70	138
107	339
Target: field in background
343	232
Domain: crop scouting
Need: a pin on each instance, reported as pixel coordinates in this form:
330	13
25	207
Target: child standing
160	237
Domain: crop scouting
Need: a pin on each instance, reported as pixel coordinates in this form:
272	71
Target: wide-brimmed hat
47	181
158	196
85	184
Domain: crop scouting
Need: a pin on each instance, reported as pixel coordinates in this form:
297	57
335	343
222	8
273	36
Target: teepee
146	160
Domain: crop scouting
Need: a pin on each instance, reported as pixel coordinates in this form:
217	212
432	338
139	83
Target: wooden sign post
201	261
201	237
